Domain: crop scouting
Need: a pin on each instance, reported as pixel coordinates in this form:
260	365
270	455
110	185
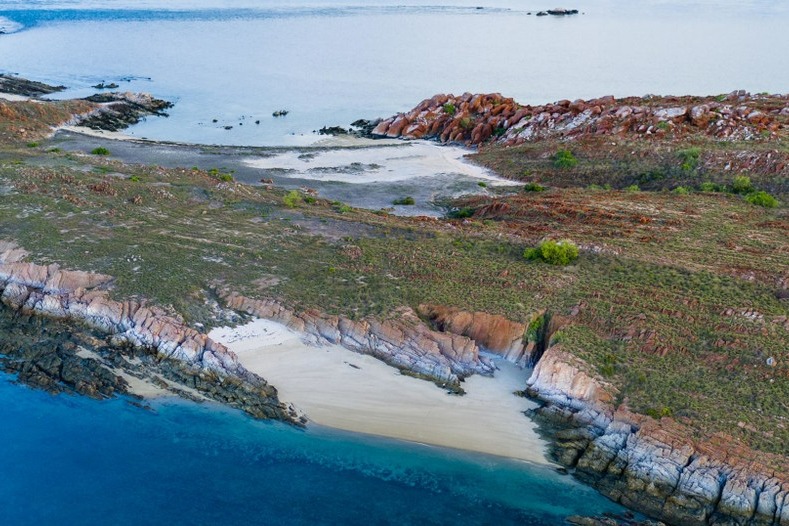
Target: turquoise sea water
68	460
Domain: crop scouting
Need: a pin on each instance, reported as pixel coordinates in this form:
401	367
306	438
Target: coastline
338	388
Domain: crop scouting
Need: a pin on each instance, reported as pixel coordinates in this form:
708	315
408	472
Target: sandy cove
338	388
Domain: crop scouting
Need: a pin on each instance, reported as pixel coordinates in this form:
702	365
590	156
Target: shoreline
341	389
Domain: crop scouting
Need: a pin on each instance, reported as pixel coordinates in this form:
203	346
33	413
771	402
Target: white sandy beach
338	388
384	161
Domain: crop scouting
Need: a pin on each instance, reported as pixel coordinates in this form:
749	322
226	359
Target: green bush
310	200
101	150
633	188
32	145
561	252
681	190
408	200
341	207
762	198
482	184
461	213
564	159
292	199
708	186
449	108
226	178
690	158
533	187
134	178
742	185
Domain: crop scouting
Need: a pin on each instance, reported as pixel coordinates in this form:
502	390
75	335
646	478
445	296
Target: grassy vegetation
676	299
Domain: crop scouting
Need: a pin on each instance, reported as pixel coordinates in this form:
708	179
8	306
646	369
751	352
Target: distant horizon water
329	63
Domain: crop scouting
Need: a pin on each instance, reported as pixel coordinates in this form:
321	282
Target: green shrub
341	207
292	199
762	198
449	108
310	199
533	187
134	178
561	252
681	190
482	184
633	188
55	150
659	412
742	185
226	177
564	159
690	158
408	200
598	187
32	145
708	186
461	213
663	125
101	150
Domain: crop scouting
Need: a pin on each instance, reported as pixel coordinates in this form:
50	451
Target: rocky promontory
649	465
475	119
178	352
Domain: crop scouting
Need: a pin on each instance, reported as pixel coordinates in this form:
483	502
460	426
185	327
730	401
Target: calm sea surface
68	460
330	62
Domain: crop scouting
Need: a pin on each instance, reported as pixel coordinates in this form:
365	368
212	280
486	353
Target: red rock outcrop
492	333
476	119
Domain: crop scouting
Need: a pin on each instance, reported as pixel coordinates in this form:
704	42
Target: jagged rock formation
188	355
475	119
117	111
492	333
26	88
402	341
652	466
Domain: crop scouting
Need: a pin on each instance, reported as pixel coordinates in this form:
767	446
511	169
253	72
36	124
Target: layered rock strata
474	119
189	357
402	341
654	466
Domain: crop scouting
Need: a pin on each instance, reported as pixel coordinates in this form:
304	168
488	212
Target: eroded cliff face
187	356
403	340
652	466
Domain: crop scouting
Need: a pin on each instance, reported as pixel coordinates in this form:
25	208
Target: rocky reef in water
475	119
653	466
142	341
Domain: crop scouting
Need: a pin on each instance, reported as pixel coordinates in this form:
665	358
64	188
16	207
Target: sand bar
338	388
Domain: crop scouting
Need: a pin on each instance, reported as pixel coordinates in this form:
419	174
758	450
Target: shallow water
331	62
68	460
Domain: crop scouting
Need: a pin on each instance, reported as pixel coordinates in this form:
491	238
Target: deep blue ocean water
71	460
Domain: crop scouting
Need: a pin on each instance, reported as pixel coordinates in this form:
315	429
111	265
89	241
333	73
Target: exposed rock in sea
26	88
117	111
474	119
653	466
176	351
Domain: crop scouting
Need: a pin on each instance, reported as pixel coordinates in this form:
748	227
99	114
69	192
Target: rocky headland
654	466
168	347
475	119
